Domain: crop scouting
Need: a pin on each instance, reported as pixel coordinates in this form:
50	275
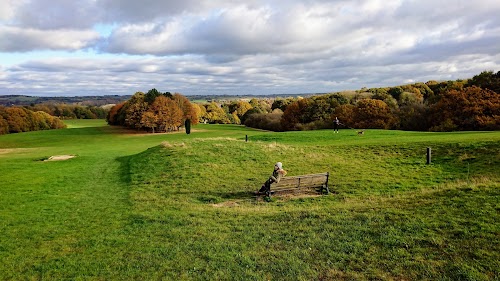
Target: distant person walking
336	124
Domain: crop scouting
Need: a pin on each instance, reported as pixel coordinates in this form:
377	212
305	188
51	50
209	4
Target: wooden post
326	183
246	138
429	152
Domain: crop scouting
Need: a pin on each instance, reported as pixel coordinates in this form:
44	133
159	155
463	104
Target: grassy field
134	206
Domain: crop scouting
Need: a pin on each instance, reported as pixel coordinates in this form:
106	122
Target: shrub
269	121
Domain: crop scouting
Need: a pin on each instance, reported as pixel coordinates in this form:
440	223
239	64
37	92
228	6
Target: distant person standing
336	124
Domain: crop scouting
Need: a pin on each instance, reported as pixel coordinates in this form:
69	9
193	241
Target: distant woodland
472	104
17	100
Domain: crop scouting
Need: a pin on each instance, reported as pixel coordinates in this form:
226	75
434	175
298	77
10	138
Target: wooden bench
301	183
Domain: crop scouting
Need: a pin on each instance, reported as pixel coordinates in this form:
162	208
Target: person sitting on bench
278	173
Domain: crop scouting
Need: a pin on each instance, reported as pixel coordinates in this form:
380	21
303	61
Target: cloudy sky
102	47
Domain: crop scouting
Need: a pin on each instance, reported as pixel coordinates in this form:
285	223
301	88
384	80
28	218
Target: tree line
71	111
472	104
20	119
17	119
21	100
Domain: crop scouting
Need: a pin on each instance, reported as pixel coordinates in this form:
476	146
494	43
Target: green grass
133	206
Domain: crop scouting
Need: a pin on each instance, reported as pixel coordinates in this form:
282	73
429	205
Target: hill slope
176	206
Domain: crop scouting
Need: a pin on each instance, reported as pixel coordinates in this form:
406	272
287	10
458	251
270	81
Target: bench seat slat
295	183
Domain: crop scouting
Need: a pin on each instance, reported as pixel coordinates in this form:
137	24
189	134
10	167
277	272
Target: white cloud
244	46
15	39
56	14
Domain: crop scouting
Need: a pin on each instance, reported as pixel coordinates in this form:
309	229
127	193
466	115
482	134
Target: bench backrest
304	181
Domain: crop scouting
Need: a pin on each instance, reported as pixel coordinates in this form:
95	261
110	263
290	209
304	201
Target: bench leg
325	188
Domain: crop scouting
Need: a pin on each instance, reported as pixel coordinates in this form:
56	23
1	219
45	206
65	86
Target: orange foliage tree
370	113
188	110
4	125
345	114
149	120
113	114
17	120
295	115
471	108
135	109
174	116
169	115
165	113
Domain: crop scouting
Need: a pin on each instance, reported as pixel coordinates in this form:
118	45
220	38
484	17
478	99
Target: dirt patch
261	198
14	150
60	157
303	195
6	150
226	204
290	196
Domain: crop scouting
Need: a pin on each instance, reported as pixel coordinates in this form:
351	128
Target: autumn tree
188	111
200	111
215	114
409	98
439	88
16	118
251	111
266	121
149	120
112	117
43	120
264	105
388	99
295	115
395	92
239	108
81	112
56	123
282	103
370	113
426	92
169	115
136	107
19	119
44	107
159	109
321	107
472	108
174	116
4	126
345	113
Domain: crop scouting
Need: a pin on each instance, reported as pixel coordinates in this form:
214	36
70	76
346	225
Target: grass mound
391	215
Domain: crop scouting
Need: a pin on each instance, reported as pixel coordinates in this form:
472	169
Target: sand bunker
60	157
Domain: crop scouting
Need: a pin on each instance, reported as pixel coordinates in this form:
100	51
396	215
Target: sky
231	47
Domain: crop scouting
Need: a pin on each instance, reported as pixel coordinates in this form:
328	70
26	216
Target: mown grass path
128	208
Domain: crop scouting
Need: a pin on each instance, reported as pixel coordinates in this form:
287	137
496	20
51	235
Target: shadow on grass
124	171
